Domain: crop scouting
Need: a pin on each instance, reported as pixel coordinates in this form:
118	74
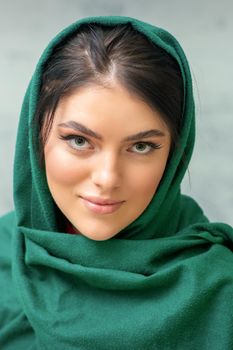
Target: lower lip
101	209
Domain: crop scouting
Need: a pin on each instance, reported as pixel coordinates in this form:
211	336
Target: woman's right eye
77	142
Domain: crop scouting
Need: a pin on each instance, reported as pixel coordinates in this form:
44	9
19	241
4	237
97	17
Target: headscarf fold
163	282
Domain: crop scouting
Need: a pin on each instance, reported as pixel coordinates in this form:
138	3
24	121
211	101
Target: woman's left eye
77	142
144	147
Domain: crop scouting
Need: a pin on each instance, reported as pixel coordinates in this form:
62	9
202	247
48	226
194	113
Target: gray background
205	30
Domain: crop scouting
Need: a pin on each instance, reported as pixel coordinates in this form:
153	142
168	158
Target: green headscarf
163	282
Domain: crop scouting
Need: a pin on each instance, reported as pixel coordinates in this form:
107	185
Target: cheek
147	181
60	168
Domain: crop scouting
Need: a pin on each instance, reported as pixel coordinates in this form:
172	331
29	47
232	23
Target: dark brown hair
98	54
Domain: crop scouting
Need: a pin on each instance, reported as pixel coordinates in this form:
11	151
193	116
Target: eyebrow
140	135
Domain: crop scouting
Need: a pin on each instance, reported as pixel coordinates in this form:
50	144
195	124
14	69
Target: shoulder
8	301
7	226
15	330
7	220
190	212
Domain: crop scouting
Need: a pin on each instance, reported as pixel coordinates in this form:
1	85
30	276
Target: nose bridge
106	172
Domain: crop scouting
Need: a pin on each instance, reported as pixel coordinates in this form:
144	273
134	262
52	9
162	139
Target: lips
100	205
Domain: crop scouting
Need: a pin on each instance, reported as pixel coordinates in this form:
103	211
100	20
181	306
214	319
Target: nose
107	172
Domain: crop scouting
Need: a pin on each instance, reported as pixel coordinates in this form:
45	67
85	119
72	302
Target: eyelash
152	145
70	138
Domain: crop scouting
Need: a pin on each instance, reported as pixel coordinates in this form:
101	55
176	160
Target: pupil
79	141
141	146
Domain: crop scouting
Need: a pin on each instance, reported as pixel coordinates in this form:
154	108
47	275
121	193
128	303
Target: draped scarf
163	282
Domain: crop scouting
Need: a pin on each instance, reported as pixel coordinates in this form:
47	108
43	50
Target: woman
105	251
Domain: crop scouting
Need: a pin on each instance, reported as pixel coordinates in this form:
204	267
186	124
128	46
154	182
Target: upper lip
101	201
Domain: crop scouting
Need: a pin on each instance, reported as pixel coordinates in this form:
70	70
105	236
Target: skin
116	168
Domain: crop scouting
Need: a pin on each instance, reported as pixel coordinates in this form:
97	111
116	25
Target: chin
98	234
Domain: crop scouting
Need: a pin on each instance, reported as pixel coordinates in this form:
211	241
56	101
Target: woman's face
104	158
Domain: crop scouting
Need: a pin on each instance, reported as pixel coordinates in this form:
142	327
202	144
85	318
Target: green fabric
164	282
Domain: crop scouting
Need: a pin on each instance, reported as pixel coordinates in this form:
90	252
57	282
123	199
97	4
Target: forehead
110	107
